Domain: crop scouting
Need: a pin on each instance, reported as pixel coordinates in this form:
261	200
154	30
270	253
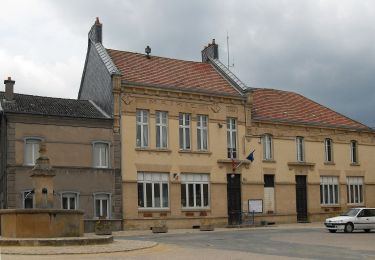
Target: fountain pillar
42	181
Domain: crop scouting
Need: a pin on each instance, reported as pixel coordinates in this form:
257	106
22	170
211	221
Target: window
142	128
328	150
28	199
184	122
354	151
153	190
101	155
329	190
161	130
355	190
69	200
300	148
267	147
232	137
102	205
202	135
194	190
31	150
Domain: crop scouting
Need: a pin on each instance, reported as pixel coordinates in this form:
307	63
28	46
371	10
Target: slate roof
37	105
173	73
290	107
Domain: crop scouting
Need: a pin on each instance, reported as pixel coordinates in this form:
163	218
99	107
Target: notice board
256	206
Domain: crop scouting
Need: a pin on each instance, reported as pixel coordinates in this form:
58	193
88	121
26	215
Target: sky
322	49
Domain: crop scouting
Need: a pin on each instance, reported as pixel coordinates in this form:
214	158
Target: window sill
194	209
153	150
354	205
156	210
268	161
355	164
301	164
99	167
195	152
329	163
330	206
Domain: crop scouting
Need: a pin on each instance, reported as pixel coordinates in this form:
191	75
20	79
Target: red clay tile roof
284	106
165	72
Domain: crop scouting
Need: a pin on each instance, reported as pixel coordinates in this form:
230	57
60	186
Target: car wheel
367	230
332	230
349	228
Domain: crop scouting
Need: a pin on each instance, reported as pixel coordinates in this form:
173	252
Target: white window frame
300	148
328	186
202	132
354	151
35	154
195	179
184	121
328	150
28	193
142	121
70	194
267	147
153	178
100	164
232	137
163	128
102	196
355	190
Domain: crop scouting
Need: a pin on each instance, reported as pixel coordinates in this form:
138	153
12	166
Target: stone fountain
43	220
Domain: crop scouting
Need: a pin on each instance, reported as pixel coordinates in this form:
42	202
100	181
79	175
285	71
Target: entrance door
301	198
234	198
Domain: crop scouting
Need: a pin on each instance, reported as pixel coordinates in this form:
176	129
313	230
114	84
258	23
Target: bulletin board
255	206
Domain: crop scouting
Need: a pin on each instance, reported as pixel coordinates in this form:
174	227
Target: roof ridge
30	95
160	57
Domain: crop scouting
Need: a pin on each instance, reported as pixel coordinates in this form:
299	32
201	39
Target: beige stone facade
176	162
283	165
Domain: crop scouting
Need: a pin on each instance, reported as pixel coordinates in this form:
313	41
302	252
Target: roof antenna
148	51
229	66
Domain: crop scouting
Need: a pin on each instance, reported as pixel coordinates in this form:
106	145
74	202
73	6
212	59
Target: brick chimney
9	89
95	33
212	51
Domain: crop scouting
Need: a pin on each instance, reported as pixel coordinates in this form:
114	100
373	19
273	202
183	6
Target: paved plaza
293	241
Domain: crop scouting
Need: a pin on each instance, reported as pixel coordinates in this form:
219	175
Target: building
187	130
312	162
80	145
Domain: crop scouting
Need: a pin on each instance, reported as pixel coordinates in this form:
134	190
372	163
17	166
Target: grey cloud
324	50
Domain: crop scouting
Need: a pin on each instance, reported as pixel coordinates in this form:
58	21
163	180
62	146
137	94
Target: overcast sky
322	49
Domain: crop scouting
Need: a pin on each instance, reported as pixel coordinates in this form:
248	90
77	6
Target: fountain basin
41	223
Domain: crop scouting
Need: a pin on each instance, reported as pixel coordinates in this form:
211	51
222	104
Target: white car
353	219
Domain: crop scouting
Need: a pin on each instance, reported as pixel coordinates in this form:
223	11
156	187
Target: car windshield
351	212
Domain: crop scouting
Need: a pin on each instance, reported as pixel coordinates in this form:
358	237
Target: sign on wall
255	206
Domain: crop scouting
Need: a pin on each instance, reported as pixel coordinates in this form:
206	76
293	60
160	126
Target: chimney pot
9	89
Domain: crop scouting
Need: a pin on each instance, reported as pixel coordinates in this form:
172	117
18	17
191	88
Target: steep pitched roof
166	72
36	105
289	107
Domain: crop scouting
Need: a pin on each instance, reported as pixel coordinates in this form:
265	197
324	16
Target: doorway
301	198
234	199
